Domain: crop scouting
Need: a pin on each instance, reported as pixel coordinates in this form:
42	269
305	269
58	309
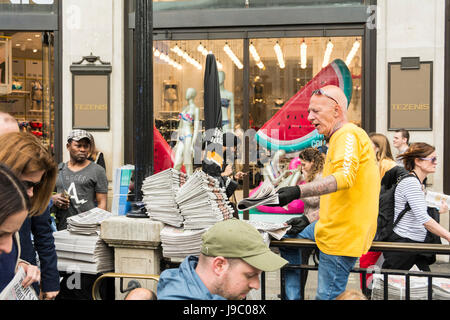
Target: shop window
29	97
279	69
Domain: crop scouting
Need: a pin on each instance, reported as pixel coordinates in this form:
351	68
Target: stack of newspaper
202	202
265	195
159	192
179	243
441	289
397	287
82	253
87	223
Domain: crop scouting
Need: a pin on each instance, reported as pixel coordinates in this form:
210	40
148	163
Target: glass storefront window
160	5
279	69
30	98
178	69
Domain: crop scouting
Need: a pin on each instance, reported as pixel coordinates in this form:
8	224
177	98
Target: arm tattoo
319	187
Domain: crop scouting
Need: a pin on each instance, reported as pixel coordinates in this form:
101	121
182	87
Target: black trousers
405	260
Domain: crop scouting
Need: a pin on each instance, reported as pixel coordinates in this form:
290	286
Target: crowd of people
340	188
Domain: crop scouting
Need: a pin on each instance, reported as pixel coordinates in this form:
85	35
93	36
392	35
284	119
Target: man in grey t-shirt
81	184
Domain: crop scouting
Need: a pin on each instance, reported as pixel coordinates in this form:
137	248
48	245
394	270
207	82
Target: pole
143	109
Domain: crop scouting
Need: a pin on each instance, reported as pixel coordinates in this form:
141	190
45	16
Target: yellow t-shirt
348	217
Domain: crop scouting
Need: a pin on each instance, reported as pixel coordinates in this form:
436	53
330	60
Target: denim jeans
333	270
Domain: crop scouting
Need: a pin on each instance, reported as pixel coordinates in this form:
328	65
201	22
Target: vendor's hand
443	207
33	274
287	195
297	224
60	201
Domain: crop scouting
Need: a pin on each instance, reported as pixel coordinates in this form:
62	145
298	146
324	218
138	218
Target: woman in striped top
420	160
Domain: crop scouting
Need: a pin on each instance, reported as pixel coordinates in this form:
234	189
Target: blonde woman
383	153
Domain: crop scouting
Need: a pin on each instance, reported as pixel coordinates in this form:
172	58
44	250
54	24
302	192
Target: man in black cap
82	184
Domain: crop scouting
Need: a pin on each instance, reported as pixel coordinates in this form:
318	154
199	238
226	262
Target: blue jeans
333	270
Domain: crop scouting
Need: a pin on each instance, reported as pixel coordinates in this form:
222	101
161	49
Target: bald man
349	197
8	123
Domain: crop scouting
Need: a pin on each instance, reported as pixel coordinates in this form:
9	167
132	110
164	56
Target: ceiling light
279	54
35	50
327	55
352	52
256	56
303	55
232	56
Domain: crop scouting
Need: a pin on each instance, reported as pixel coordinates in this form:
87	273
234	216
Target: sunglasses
433	160
321	92
30	184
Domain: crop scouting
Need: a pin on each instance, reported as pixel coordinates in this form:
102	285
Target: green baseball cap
234	238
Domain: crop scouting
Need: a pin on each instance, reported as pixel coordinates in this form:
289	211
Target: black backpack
386	209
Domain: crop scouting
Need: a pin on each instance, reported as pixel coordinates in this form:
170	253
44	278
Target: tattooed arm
319	187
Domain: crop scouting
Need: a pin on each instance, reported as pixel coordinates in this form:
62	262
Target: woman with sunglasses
416	225
14	206
35	167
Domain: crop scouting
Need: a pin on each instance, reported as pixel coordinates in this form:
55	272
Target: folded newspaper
434	199
15	291
159	192
203	202
265	195
87	223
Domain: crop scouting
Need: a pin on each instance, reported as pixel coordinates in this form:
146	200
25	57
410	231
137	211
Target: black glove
287	195
298	224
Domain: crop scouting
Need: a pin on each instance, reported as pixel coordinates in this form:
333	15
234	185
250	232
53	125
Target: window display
281	70
29	95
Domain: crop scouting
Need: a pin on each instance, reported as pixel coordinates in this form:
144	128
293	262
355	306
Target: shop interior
279	68
26	81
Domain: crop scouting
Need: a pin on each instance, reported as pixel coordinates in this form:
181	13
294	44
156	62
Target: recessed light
29	39
35	50
17	44
37	35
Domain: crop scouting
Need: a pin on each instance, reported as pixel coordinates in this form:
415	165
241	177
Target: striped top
411	226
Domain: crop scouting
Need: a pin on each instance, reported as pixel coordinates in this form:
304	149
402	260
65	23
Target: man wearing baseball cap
233	255
81	186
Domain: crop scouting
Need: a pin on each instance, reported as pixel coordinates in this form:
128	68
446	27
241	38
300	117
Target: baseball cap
78	134
234	238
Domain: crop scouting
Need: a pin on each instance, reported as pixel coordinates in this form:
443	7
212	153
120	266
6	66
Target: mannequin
272	169
227	101
187	136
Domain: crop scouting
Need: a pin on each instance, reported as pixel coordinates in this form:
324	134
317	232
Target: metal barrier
96	287
376	246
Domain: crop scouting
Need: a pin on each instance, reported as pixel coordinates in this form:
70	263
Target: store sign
32	1
91	95
410	96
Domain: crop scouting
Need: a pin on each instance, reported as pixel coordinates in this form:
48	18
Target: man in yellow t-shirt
349	193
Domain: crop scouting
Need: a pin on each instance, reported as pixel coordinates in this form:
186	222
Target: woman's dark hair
415	151
317	159
13	195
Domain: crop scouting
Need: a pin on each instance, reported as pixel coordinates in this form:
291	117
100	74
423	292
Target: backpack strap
407	206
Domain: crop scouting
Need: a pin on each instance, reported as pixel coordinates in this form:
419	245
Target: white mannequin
186	136
227	102
272	169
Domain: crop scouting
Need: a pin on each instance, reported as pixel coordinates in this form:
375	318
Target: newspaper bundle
87	223
159	192
15	291
203	202
266	194
179	243
82	253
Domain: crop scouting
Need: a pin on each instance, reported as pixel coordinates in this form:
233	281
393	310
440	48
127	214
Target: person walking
349	198
401	143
